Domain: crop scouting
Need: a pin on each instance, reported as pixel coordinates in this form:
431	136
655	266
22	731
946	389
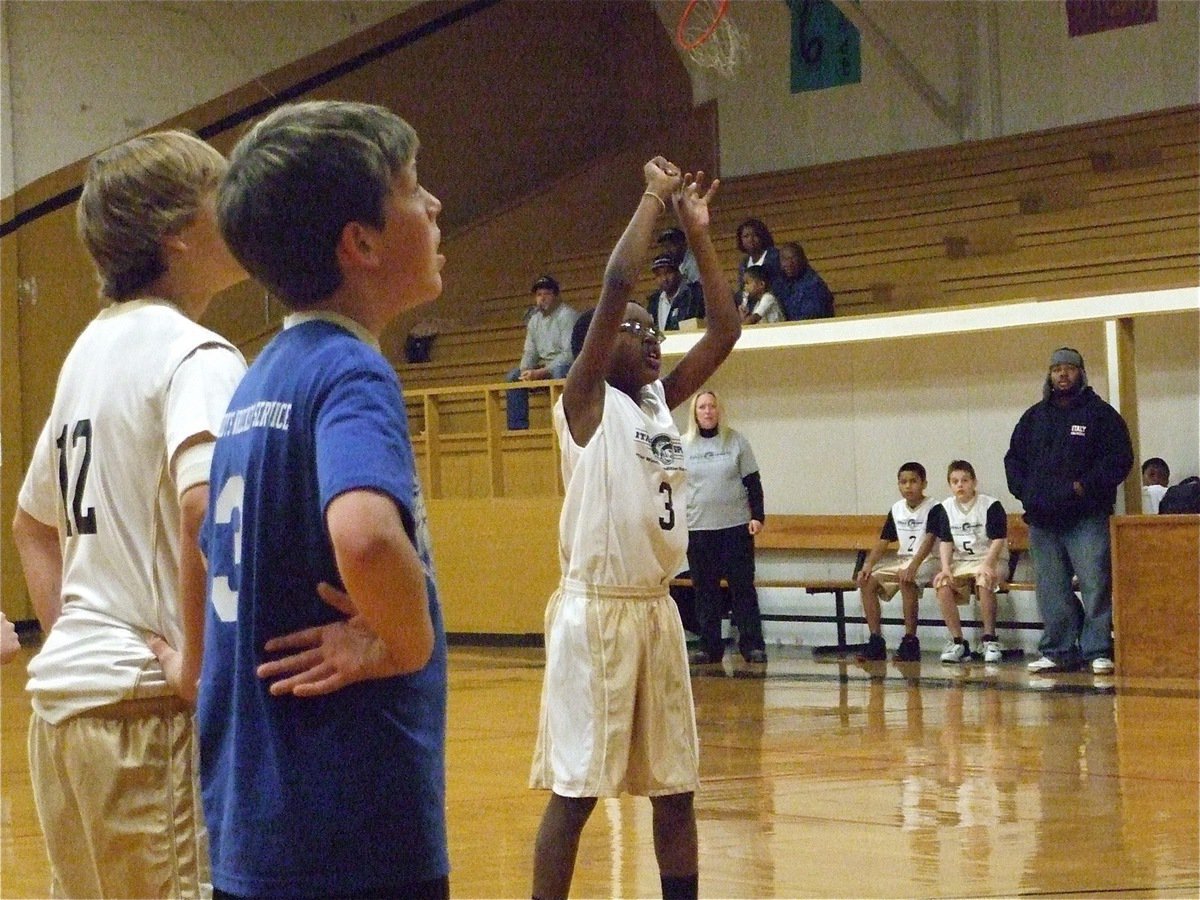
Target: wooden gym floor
820	779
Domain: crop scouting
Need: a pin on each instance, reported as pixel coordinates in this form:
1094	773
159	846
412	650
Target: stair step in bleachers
1102	207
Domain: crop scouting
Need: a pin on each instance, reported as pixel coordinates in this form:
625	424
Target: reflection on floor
822	779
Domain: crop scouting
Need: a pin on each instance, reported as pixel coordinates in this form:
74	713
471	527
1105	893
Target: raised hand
662	177
691	204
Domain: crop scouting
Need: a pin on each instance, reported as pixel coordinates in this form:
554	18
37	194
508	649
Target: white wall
830	425
6	162
1043	79
82	75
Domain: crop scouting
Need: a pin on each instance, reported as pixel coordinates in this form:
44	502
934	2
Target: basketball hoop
710	37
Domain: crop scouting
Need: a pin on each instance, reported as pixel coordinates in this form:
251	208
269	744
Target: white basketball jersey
624	517
968	527
141	379
910	525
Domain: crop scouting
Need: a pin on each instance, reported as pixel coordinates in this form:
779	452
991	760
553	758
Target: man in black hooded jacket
1067	457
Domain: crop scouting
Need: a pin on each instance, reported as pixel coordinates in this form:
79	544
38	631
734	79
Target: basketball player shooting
617	712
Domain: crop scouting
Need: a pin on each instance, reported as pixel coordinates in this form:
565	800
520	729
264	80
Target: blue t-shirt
805	297
328	795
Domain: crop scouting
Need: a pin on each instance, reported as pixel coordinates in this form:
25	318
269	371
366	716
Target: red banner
1091	16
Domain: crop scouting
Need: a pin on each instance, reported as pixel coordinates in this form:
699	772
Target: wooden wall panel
13	598
1156	595
496	562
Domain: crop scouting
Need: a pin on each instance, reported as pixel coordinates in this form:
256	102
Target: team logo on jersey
665	449
264	414
910	523
1078	430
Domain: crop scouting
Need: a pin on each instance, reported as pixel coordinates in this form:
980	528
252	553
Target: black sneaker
909	649
876	649
757	657
700	658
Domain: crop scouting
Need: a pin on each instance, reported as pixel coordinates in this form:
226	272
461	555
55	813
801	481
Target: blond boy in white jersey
106	529
973	529
905	571
617	711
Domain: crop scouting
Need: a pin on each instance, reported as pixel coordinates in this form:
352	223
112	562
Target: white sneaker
1102	665
992	652
1044	664
954	652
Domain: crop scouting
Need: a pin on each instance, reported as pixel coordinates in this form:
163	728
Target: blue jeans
517	401
1076	627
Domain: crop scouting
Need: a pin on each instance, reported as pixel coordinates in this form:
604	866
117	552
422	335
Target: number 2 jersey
907	526
624	517
141	379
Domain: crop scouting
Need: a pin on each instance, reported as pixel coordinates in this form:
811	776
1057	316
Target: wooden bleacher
1097	208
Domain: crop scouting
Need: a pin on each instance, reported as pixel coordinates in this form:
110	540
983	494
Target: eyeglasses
643	332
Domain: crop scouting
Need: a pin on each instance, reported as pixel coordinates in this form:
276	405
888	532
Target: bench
857	533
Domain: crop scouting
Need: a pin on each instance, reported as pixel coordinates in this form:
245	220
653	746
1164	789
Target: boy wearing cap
676	299
673	243
1067	456
547	351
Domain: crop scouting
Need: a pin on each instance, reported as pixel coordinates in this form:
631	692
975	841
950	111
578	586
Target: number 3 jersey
341	794
140	380
624	517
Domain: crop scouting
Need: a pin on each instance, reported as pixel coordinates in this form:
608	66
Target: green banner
825	46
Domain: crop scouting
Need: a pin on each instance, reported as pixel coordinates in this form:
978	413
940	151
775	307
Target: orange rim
680	35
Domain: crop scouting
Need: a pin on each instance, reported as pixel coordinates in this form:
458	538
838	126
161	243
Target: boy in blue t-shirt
323	691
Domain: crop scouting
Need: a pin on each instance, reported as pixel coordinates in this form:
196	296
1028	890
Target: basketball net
709	36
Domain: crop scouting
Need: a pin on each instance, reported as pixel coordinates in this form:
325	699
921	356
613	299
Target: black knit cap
1066	356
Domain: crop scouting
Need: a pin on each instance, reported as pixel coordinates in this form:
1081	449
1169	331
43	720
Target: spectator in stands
973	530
1067	456
676	299
725	511
802	293
1156	477
547	351
758	303
755	241
673	243
908	570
